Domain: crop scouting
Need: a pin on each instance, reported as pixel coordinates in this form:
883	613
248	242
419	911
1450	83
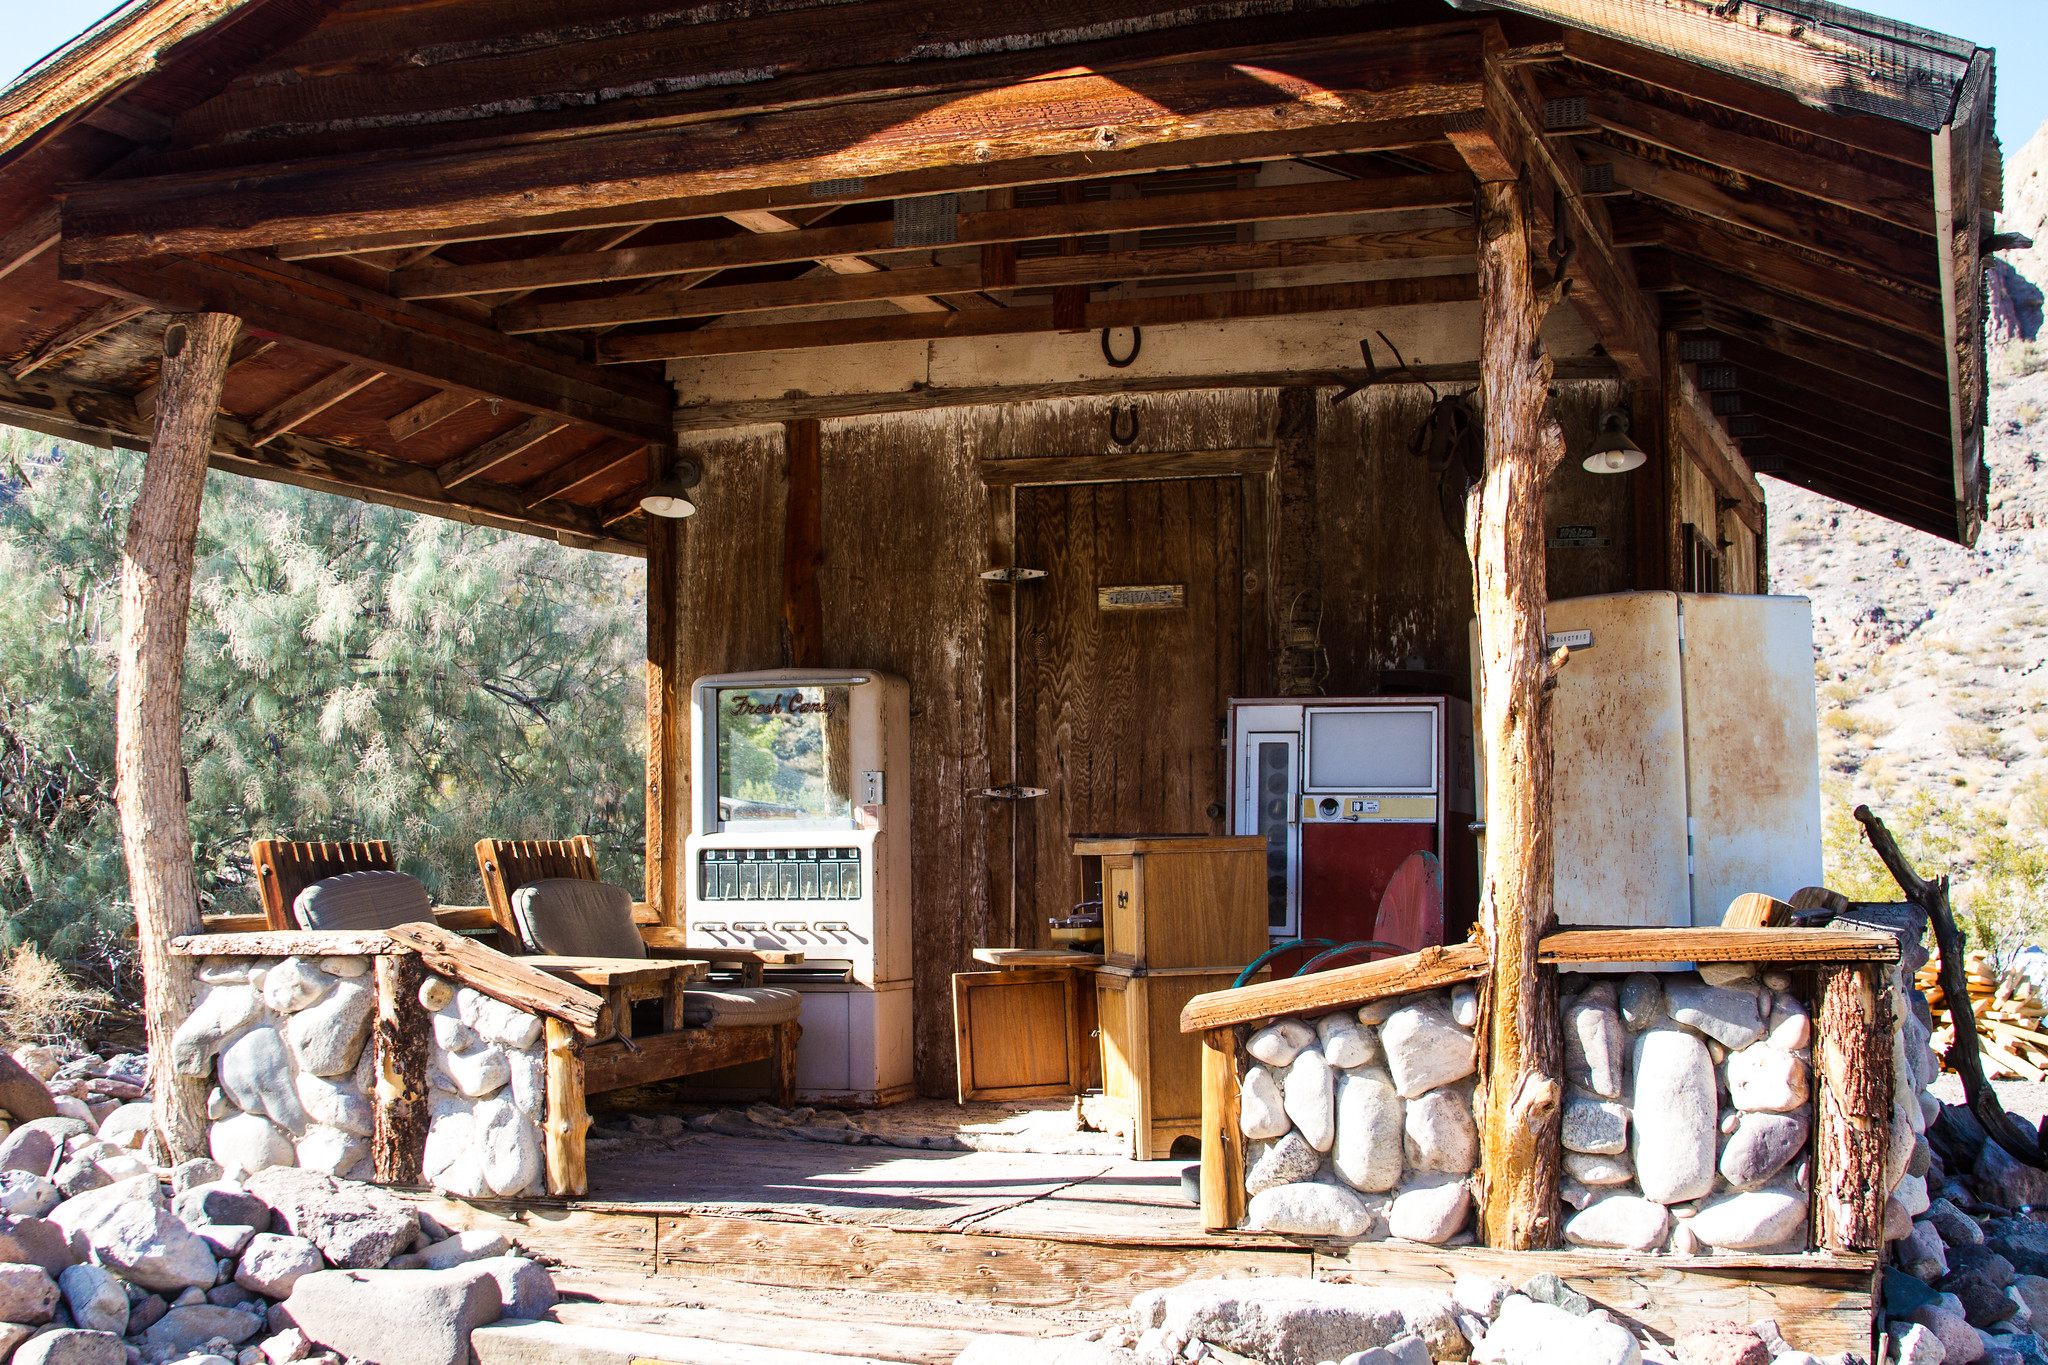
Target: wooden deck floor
1023	1242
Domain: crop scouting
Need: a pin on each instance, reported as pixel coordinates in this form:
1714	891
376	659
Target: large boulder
1310	1209
245	1143
271	1264
1532	1333
222	1202
1744	1222
1729	1016
23	1195
398	1317
1301	1322
355	1226
219	1018
525	1288
1370	1130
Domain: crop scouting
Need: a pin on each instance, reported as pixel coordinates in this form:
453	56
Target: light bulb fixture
1613	452
671	497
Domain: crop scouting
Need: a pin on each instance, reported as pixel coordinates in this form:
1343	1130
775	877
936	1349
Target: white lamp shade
665	502
1614	461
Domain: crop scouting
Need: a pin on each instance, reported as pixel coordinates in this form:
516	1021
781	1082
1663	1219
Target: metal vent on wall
1713	377
1692	350
1596	177
1568	112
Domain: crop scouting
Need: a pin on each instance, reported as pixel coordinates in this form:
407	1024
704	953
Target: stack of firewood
2008	1011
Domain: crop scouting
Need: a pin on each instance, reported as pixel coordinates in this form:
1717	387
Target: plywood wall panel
1605	502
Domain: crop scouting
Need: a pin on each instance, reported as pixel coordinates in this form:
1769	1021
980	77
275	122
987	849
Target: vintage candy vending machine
1344	790
802	841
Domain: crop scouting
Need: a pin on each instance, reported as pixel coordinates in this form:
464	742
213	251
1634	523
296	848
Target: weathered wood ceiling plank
660	305
358	325
96	323
499	450
1216	107
1801	302
587	470
1143	312
425	413
304	406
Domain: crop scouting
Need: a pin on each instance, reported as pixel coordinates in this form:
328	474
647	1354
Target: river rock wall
1359	1123
285	1042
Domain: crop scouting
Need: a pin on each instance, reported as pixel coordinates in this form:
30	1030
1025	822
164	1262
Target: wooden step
871	1337
514	1341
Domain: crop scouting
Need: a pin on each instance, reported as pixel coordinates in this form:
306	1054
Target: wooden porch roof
466	236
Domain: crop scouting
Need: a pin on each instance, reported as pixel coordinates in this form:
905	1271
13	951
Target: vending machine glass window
1380	749
1271	787
783	756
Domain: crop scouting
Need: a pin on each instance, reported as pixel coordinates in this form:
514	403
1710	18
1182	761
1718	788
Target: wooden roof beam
583	471
1269	204
1803	471
1717	455
435	407
29	239
765	221
1884	469
1888	392
1146	312
1837	413
1325	95
1507	136
360	326
499	450
667	304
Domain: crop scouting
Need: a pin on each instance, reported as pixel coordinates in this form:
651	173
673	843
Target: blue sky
2017	28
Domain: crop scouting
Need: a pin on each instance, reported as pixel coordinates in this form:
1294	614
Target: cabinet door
1019	1033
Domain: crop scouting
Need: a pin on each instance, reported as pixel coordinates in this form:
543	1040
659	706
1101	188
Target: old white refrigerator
1687	762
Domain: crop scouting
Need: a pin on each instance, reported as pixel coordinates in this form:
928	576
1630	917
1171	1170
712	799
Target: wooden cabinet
1021	1033
1178	901
1151	1071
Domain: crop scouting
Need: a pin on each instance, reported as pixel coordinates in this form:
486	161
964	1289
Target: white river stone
1310	1099
1675	1115
1368	1154
1260	1113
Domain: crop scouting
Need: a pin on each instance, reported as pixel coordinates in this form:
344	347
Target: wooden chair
508	864
284	869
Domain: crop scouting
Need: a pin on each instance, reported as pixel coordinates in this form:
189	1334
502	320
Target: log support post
398	1139
156	594
1520	1102
568	1117
665	708
1852	1063
1223	1196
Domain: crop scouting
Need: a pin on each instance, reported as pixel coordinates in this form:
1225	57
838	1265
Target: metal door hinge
1011	792
1011	575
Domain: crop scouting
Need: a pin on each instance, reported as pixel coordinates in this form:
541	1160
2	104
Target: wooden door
1121	693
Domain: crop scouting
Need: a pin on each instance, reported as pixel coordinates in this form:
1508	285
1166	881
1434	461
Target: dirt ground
2022	1099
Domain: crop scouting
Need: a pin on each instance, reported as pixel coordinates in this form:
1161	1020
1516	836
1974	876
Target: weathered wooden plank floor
934	1243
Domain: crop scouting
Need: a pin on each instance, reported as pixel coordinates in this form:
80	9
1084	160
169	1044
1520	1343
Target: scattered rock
71	1346
27	1295
273	1264
12	1334
1727	1016
397	1317
220	1202
2004	1181
191	1327
1425	1047
147	1244
1720	1343
247	1143
1260	1112
1922	1254
1283	1321
1546	1287
1532	1333
525	1287
38	1242
1674	1115
355	1226
1960	1342
1310	1209
336	1103
1480	1295
24	1195
1956	1227
96	1298
1620	1221
284	1347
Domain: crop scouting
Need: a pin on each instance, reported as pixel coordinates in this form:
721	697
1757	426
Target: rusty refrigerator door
1687	761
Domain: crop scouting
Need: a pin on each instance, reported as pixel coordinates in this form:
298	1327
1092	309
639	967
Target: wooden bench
284	869
508	864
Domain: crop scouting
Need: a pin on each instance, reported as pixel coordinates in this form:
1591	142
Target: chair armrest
460	917
663	939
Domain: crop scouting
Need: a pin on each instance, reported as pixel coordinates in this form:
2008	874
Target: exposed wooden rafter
433	408
305	405
97	323
499	450
666	304
358	325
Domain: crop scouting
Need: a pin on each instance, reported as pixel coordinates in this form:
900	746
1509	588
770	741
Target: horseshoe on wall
1137	344
1116	417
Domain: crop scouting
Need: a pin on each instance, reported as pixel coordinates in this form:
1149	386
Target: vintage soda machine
1344	790
801	787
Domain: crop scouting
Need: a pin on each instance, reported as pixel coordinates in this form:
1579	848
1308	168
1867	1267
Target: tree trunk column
1520	1102
156	593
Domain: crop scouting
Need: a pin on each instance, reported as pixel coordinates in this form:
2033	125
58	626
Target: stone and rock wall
1688	1117
285	1041
1359	1123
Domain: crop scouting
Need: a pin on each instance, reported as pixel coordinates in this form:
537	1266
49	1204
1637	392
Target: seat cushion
358	901
734	1005
570	917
